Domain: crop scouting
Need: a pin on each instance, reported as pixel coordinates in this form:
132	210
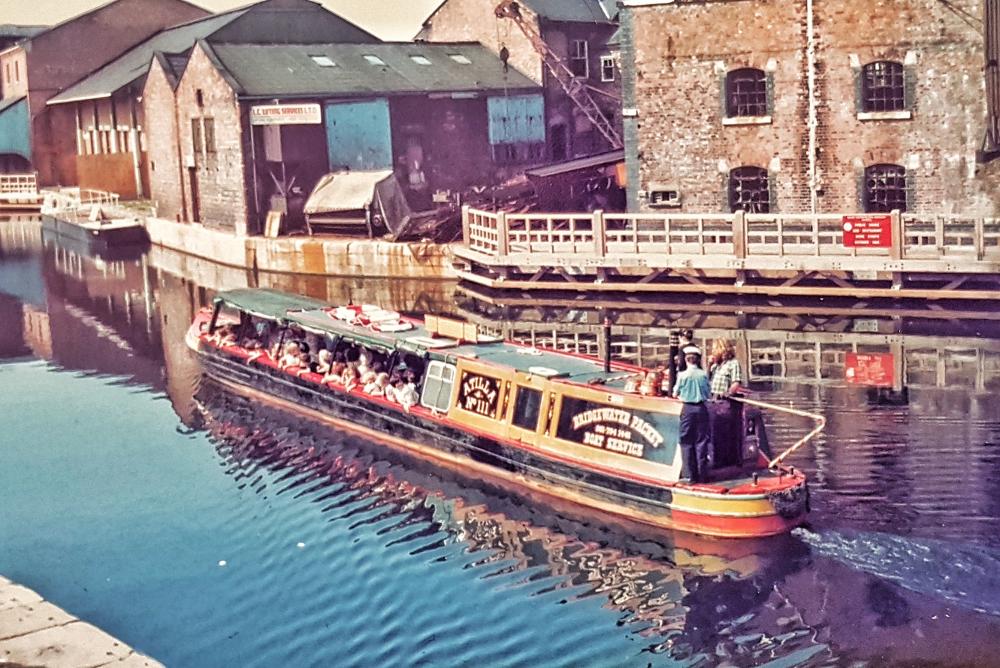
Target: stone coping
34	632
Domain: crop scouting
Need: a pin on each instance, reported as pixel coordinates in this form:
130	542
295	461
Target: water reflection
899	489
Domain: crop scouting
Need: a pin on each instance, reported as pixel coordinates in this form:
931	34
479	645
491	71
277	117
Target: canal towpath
34	632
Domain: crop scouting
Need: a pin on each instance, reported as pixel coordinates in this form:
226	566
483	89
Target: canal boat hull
115	240
703	509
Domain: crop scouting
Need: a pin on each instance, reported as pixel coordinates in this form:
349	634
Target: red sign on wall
872	231
870	369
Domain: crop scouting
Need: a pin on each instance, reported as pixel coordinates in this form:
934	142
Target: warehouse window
746	92
209	126
607	68
749	190
579	62
882	87
885	188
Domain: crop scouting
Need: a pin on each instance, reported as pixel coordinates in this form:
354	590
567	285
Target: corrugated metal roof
288	70
133	64
575	11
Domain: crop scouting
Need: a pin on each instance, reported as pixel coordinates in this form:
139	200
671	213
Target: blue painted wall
358	134
15	130
516	119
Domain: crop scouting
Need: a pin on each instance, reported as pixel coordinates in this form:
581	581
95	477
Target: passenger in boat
371	374
350	378
291	356
725	414
364	362
378	385
651	384
406	394
324	363
390	388
686	339
695	430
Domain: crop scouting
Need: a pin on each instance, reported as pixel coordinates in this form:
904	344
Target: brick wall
159	110
473	20
220	175
682	52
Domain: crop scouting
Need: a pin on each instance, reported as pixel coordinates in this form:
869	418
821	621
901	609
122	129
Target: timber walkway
903	255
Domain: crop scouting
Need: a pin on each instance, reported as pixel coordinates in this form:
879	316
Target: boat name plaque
479	394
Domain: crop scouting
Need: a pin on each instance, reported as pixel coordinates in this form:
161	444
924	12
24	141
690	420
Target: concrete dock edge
34	632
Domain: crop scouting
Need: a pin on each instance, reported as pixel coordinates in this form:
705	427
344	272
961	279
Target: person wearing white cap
693	389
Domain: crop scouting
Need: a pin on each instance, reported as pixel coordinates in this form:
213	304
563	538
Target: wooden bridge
925	256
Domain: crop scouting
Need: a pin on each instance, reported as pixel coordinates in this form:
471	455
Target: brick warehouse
836	106
384	106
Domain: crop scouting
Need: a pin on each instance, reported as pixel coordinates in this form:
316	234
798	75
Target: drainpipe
813	121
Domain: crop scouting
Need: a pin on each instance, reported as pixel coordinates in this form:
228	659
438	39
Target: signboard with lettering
285	114
479	394
612	428
868	231
869	369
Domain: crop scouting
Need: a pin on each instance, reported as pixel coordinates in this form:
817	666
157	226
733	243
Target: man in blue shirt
693	389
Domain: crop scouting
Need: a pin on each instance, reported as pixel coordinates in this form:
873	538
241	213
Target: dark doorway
195	197
559	142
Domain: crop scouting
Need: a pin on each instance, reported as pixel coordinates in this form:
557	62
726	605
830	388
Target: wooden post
740	233
599	228
896	228
977	239
503	238
465	225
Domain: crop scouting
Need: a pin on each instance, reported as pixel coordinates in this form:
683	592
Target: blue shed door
358	135
516	119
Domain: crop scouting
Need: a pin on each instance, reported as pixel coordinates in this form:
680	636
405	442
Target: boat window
437	387
527	406
479	394
618	429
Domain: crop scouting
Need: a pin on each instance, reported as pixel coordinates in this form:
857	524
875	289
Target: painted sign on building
285	114
869	369
871	231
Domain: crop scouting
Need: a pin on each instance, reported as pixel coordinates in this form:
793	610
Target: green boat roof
315	316
268	303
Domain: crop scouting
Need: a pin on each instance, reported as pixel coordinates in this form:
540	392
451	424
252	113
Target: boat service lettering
631	423
479	394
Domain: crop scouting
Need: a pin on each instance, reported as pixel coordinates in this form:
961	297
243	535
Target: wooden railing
624	237
77	204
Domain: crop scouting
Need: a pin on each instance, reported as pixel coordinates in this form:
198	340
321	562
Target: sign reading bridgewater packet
285	114
873	231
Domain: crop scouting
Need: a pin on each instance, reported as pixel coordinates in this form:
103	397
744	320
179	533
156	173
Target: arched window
746	92
882	87
885	188
749	190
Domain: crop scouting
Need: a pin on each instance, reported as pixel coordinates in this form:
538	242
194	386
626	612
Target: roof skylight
420	60
459	58
323	61
373	59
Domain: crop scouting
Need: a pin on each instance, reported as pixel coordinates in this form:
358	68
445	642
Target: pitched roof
20	31
133	64
289	70
574	11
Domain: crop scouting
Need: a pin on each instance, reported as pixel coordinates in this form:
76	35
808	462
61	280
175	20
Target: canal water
205	530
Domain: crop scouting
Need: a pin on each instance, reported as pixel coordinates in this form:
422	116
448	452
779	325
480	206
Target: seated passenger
325	362
350	377
632	384
371	374
291	356
406	394
390	388
364	362
377	386
306	363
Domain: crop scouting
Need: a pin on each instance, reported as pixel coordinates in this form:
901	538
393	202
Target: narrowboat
553	424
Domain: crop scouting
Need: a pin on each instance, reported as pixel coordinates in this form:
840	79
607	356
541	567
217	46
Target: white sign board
285	114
